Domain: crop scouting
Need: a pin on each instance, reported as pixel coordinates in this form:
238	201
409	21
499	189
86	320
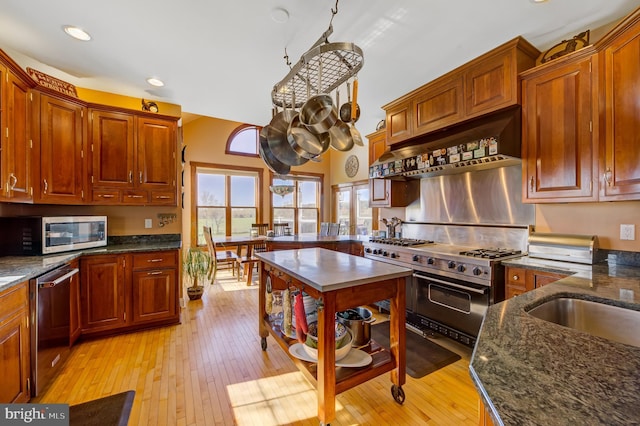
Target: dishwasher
49	296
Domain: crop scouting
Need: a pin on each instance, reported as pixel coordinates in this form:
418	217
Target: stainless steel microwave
38	235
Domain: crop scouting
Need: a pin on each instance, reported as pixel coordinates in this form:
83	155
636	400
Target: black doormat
423	356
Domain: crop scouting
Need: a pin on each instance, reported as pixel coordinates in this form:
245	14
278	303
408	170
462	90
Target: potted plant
196	265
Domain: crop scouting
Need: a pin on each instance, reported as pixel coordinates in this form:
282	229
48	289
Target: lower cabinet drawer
152	260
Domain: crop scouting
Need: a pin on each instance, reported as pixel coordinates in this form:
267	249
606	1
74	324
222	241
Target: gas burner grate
490	253
403	242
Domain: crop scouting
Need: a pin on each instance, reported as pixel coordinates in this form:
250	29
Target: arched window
243	141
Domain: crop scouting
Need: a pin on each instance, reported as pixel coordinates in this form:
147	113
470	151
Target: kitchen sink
598	319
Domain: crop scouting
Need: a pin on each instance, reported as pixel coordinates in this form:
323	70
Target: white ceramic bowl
341	351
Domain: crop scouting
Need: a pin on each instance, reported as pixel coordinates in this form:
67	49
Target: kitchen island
529	371
338	281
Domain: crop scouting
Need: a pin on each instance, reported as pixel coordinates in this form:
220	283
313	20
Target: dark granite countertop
532	372
16	269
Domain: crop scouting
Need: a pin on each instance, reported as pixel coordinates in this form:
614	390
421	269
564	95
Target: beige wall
601	219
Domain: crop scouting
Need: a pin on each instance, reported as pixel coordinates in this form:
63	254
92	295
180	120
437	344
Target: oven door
454	303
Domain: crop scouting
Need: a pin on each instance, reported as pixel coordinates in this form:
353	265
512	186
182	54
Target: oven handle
47	284
450	284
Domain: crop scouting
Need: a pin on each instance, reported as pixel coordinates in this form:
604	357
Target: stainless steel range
455	237
452	285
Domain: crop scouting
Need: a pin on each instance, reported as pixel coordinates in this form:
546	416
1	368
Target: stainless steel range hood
487	142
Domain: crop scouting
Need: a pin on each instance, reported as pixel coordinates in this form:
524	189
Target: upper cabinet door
112	149
398	123
61	151
156	160
620	164
17	151
559	148
490	85
439	106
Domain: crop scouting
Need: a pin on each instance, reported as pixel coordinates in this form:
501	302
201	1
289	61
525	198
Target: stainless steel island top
327	270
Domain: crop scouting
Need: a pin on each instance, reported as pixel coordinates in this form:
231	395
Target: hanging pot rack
329	64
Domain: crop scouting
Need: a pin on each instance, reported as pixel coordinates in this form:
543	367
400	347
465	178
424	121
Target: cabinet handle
14	181
607	176
140	176
163	197
154	273
531	183
106	195
515	278
130	176
134	196
154	260
46	185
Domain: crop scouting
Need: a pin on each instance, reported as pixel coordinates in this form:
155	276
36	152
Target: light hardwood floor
210	370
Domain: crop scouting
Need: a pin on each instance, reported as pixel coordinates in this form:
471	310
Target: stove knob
462	268
385	253
416	258
375	251
477	271
451	264
431	261
394	255
367	250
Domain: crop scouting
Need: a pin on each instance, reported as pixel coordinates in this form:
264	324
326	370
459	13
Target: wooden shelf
346	377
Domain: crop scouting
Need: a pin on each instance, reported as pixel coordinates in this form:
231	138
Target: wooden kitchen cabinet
377	144
103	290
15	152
559	147
486	84
393	193
133	159
155	287
521	280
15	345
59	149
387	192
620	73
125	292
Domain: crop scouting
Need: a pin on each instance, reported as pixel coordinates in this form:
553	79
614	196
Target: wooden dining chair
245	264
262	231
224	257
278	229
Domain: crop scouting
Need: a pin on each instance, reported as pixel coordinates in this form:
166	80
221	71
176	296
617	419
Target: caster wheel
398	394
263	343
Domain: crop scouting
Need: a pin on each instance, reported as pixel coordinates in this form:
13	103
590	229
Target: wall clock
351	166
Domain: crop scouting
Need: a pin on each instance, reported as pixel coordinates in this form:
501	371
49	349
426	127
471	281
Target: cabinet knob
515	278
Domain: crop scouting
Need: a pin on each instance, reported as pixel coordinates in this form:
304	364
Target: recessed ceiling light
280	15
155	82
76	32
539	1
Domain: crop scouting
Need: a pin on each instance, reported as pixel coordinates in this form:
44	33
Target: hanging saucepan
275	165
318	113
340	132
345	110
303	142
277	139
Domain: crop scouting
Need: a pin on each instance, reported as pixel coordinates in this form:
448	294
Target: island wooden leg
262	329
397	333
327	358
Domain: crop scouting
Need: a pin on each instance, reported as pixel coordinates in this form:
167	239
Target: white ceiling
221	59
